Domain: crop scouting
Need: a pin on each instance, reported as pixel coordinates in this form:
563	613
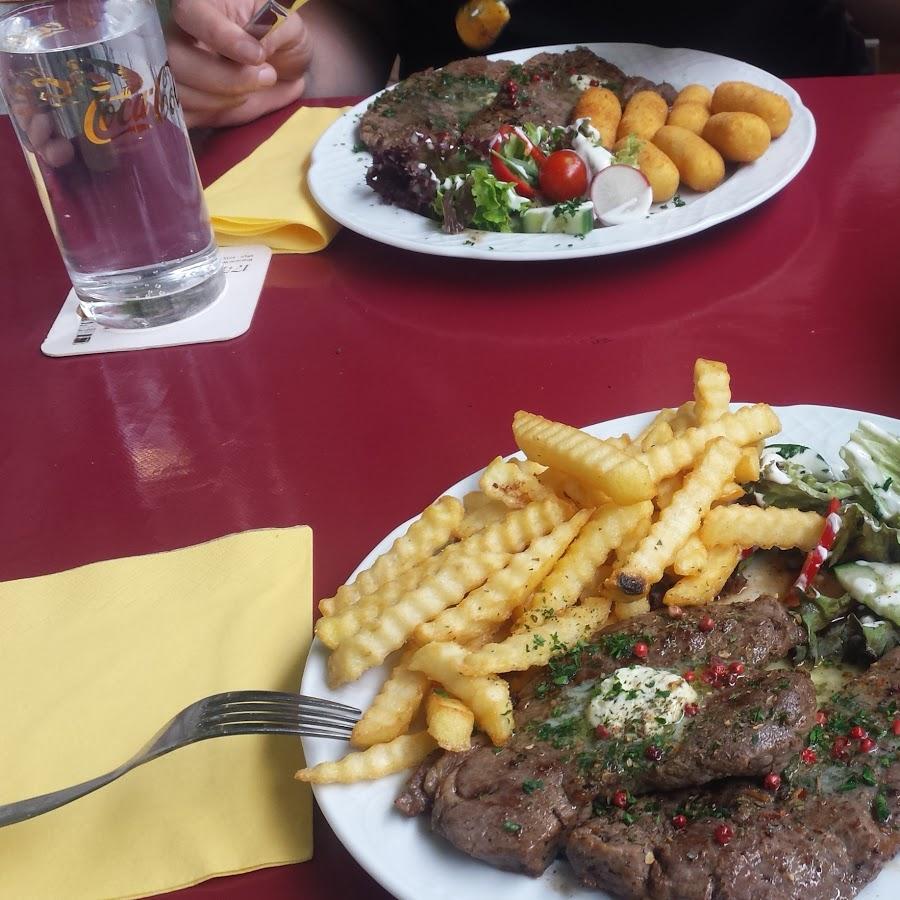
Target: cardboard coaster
229	317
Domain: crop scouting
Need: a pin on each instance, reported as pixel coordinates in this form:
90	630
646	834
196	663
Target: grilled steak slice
431	105
752	632
833	824
750	729
511	812
514	806
540	91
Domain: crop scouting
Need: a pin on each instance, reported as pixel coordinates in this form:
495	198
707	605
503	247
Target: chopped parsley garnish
618	646
511	827
530	785
570	207
359	147
880	810
787	451
677	201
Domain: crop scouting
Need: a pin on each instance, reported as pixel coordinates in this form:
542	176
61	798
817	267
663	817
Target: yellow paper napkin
265	199
95	660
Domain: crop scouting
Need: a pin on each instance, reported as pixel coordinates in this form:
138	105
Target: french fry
630	542
510	484
331	630
691	558
731	492
604	531
594	462
751	526
475	500
512	534
663	417
539	645
401	753
746	426
747	469
565	486
393	708
712	390
666	489
679	520
684	417
660	433
494	601
450	722
428	534
486	696
628	608
365	649
481	517
695	590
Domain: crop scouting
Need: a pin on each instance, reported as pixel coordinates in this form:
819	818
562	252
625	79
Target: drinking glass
93	102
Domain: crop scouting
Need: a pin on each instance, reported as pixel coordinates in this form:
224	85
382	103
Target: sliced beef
431	106
750	729
749	632
511	812
830	828
514	806
541	92
635	83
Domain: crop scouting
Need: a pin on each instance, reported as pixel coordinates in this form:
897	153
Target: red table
373	378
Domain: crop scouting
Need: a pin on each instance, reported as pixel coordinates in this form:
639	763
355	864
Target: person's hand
224	75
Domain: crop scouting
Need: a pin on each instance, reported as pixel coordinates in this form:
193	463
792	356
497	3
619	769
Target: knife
269	16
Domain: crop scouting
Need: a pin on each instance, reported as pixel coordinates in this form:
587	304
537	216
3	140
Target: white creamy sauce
583	82
637	701
768	467
517	201
595	157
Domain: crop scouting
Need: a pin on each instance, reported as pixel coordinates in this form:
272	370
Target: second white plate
337	173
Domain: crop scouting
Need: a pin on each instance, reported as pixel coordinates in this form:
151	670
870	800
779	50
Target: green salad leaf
872	457
493	202
793	476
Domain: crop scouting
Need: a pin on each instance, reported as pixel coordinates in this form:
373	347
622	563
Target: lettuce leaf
793	476
493	207
872	457
862	536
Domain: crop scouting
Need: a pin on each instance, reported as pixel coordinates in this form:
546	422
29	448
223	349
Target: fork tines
238	712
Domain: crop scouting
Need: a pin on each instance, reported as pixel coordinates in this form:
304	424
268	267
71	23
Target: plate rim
439	244
387	879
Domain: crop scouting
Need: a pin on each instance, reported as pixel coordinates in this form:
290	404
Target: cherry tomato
563	176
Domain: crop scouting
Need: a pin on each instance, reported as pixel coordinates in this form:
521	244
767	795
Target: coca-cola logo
117	100
131	111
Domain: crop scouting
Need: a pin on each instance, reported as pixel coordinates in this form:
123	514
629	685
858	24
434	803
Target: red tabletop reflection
372	378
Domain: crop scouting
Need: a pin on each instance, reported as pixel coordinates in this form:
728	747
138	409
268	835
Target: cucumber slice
876	585
553	220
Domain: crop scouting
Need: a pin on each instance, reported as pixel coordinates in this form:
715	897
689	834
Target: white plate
337	173
402	854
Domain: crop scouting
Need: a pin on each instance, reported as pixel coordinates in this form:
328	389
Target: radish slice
620	194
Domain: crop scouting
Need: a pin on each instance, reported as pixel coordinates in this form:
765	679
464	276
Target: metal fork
220	715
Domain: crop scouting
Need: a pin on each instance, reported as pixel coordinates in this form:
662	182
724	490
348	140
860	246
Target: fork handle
22	810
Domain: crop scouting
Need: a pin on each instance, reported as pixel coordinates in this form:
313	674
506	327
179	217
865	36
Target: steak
750	729
828	830
515	806
431	106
